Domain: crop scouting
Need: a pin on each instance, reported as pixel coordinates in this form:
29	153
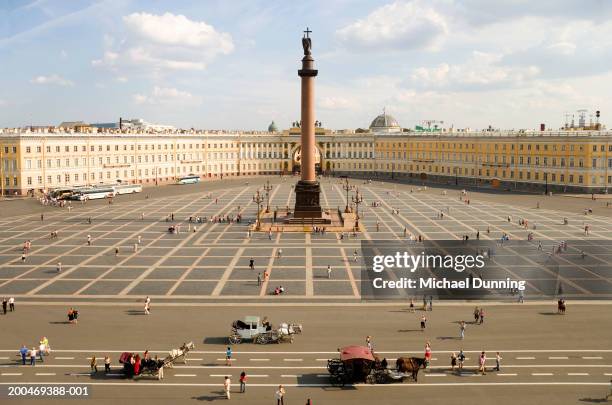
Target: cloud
178	30
577	48
336	103
397	26
481	71
52	79
166	95
165	42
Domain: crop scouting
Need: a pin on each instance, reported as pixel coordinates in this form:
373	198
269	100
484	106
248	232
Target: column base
307	203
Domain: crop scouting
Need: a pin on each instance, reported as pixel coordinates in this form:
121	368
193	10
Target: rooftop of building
446	133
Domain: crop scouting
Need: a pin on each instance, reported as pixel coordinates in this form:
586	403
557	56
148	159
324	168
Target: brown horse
410	365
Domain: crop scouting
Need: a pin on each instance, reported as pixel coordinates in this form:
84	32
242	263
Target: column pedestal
307	203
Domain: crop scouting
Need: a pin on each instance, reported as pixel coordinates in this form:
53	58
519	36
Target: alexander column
307	190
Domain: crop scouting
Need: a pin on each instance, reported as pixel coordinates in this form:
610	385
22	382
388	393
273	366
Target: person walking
228	356
33	356
116	251
355	256
47	347
41	351
481	314
42	217
93	365
24	353
369	343
482	360
227	386
423	322
279	395
107	363
252	263
476	314
279	253
88	240
329	271
453	361
498	359
243	379
460	360
23	257
11	303
258	279
4	305
462	329
427	354
431	303
412	305
147	305
58	268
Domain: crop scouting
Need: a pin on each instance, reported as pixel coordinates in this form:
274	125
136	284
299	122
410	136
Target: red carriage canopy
356	352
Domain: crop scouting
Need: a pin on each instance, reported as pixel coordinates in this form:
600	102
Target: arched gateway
296	158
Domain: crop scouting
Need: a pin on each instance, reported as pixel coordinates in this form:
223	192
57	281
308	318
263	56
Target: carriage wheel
337	380
371	379
234	339
381	378
261	339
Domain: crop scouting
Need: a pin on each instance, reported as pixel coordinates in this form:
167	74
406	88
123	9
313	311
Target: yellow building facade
43	159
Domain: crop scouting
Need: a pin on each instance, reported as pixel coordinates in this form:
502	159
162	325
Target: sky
232	64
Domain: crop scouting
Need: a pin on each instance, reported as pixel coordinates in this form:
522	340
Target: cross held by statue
308	31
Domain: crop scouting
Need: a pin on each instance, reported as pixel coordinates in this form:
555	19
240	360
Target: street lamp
347	187
357	199
267	187
546	180
258	199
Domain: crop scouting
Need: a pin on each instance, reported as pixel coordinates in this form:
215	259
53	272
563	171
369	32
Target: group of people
10	304
46	200
479	315
73	316
36	352
459	360
279	394
93	364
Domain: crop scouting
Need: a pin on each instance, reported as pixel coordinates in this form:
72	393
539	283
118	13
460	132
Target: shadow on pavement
593	400
135	312
220	396
216	340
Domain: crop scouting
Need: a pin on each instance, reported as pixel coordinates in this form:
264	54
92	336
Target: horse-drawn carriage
357	364
252	328
135	367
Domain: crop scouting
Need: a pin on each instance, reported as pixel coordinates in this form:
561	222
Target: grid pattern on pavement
213	261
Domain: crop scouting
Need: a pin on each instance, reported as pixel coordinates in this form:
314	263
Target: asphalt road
547	358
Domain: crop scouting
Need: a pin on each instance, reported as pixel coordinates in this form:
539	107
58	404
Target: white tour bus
96	193
189	179
127	188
